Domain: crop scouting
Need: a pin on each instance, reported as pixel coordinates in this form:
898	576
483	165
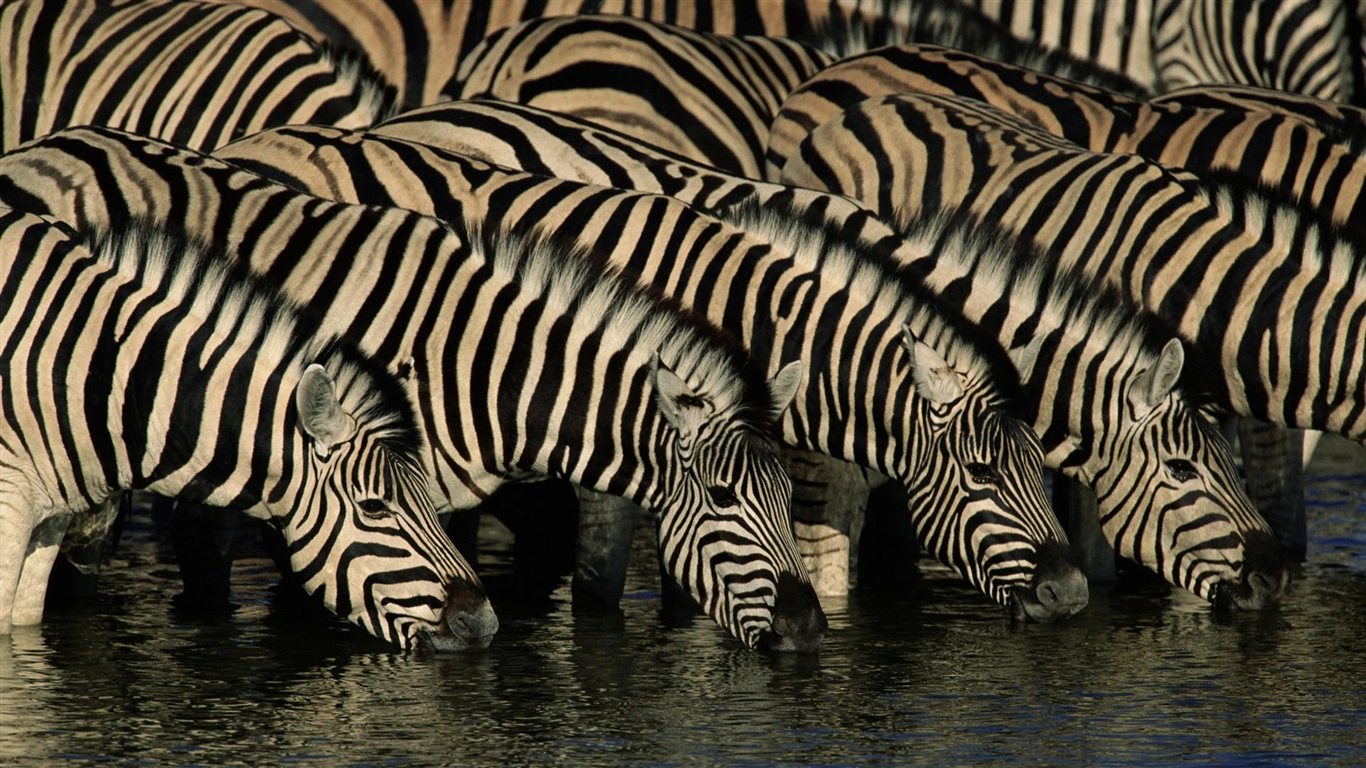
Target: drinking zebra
585	377
138	360
1096	347
1261	288
878	392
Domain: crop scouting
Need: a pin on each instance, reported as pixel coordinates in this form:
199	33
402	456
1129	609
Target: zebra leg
1273	465
1076	507
203	539
607	524
541	514
828	501
44	543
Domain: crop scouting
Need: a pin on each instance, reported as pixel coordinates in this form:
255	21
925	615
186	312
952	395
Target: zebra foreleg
76	573
1075	505
1273	465
829	498
44	543
607	524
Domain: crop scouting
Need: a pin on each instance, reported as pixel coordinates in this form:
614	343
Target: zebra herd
351	267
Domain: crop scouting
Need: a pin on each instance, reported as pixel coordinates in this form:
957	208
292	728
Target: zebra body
1346	122
1299	46
1287	153
196	74
705	96
595	381
973	474
125	357
1296	153
1100	350
1265	292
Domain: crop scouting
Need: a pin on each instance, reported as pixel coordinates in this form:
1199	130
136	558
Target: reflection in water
1145	675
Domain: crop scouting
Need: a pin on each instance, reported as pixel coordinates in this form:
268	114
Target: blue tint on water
1144	676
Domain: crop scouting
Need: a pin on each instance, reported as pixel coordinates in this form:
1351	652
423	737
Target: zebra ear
320	412
783	386
1154	384
934	379
683	408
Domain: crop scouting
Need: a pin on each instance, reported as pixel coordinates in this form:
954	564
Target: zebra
1299	46
590	378
418	46
1345	122
706	95
1260	287
926	414
196	74
1280	151
1094	342
1294	153
122	356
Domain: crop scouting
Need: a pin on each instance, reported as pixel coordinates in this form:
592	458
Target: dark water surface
1144	676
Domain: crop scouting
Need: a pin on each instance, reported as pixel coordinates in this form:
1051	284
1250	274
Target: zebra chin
1260	583
799	624
1059	589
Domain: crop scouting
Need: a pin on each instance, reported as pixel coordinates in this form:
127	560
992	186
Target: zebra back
1287	153
196	74
594	381
873	412
1266	292
147	349
710	97
1076	405
1300	46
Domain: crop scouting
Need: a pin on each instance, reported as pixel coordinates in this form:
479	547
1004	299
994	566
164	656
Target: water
1144	676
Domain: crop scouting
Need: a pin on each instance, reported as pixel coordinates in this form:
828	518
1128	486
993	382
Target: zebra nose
1058	591
799	624
468	615
1264	576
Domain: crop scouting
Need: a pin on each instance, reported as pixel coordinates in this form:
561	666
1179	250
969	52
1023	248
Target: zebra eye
722	497
983	473
1182	470
375	508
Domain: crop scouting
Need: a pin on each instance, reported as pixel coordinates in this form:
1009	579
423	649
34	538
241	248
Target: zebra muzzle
1059	589
468	621
799	624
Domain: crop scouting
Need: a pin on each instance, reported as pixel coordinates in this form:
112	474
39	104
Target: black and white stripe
196	74
582	376
1098	350
136	360
930	417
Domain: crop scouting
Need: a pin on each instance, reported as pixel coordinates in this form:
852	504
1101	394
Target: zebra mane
579	281
954	25
1004	264
209	283
871	272
374	93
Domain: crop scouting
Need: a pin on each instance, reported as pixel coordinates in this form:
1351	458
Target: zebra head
1171	498
366	538
976	495
725	521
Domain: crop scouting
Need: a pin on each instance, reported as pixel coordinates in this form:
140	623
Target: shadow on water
1146	675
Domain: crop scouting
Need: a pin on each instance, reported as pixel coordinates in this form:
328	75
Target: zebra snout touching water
871	391
135	359
584	376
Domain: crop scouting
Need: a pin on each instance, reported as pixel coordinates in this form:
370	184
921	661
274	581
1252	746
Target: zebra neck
197	413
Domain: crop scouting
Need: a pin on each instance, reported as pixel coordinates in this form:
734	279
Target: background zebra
1281	151
1301	46
196	74
931	419
1261	288
121	360
418	46
596	381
